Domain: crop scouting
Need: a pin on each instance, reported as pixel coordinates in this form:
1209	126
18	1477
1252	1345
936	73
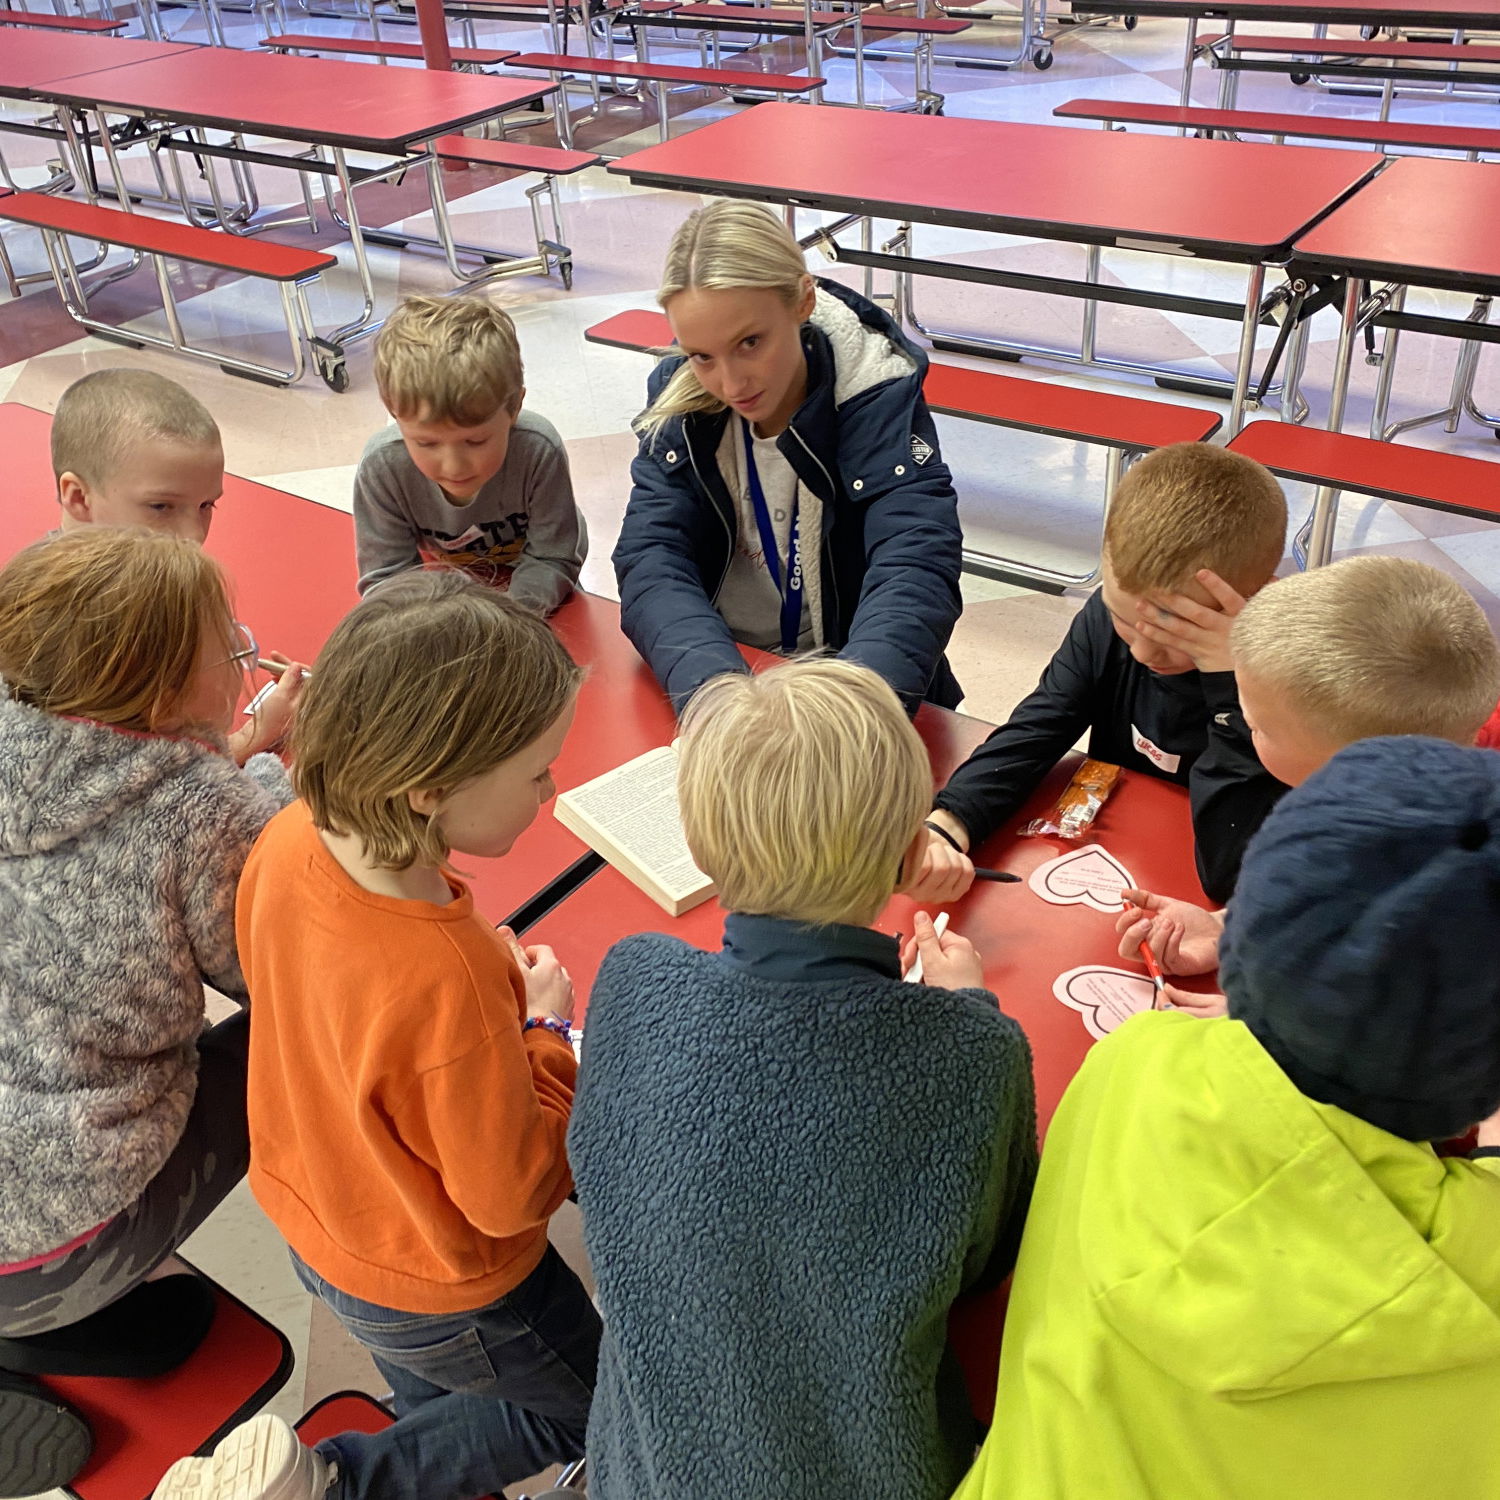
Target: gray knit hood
119	857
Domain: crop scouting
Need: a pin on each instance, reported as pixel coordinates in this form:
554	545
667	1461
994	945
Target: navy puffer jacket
892	547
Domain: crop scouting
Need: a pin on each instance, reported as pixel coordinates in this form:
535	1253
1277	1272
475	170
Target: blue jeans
483	1398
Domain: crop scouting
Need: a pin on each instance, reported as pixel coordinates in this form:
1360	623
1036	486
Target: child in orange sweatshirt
411	1075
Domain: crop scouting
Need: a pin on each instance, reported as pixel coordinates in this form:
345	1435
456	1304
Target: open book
630	816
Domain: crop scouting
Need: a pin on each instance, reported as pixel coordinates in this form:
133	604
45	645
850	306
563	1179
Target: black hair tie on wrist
942	833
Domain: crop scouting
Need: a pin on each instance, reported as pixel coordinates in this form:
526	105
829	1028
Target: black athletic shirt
1186	729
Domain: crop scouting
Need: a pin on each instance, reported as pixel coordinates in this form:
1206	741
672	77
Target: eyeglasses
246	651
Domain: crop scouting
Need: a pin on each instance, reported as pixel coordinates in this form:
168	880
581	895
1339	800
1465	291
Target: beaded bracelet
943	834
551	1023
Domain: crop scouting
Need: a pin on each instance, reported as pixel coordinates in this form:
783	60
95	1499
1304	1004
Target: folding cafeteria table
1217	200
290	564
1440	15
315	102
1425	222
1024	942
30	59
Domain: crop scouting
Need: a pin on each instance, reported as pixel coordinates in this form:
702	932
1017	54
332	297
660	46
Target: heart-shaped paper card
1090	876
1104	997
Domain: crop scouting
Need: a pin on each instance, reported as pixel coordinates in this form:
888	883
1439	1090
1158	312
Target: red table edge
1071	232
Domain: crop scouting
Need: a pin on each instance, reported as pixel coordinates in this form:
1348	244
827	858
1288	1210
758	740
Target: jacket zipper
828	573
687	443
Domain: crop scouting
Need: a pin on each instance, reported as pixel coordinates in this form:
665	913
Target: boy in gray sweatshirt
465	477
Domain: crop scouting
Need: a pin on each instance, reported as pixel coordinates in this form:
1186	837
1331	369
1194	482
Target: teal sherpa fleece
784	1186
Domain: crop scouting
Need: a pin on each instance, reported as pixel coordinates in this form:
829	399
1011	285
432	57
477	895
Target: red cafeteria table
1220	200
1438	15
29	59
291	570
1423	222
1025	943
312	101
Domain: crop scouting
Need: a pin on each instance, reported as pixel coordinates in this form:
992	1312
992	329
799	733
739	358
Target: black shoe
43	1443
148	1331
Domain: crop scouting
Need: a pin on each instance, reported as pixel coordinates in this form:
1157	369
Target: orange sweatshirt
406	1137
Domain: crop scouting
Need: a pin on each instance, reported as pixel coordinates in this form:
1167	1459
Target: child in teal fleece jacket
789	1161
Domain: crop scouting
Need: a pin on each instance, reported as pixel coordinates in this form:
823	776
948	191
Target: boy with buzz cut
1366	647
789	1161
132	448
1193	531
465	477
1247	1273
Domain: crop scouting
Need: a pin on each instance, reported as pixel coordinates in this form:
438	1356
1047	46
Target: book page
635	808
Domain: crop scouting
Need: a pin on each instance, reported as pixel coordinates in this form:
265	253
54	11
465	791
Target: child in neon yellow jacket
1246	1274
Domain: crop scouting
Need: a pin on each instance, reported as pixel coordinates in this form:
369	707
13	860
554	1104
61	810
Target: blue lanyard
791	590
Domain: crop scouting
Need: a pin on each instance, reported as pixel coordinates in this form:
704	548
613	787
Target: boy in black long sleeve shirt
1193	531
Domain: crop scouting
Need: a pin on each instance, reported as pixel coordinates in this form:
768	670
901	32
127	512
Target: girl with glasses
124	823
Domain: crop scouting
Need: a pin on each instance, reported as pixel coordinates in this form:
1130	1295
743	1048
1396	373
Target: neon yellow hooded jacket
1227	1291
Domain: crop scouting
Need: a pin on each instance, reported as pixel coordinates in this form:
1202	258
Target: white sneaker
260	1460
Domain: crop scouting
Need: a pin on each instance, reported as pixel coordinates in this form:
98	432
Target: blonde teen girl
788	492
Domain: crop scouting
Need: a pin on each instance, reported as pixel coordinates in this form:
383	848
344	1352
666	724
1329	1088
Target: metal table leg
1242	369
1189	57
1325	513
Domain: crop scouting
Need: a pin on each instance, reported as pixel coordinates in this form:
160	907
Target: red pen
1154	970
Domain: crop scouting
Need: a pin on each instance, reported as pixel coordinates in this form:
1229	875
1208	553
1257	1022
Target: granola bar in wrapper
1080	802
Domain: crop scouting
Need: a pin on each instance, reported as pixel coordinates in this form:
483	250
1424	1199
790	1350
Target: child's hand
272	720
1184	937
949	962
549	989
942	874
1197	630
1195	1004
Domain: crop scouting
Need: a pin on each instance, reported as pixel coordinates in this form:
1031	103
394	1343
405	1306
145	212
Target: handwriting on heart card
1104	997
1090	876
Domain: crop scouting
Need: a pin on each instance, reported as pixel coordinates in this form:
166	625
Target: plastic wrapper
1074	812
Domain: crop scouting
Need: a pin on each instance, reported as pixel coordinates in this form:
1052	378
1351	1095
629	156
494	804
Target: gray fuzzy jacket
119	856
789	1164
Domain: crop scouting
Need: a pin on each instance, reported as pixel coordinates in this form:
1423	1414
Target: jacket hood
1283	1244
868	348
860	344
61	778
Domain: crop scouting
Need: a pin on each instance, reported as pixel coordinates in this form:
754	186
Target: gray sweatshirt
119	856
525	519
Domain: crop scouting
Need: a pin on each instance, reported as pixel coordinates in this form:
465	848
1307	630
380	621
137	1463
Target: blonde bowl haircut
1191	506
722	247
104	416
107	623
455	360
801	789
431	680
1373	646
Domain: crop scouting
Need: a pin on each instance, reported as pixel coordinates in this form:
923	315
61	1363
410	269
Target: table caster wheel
1300	78
1041	59
335	372
1131	22
565	270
